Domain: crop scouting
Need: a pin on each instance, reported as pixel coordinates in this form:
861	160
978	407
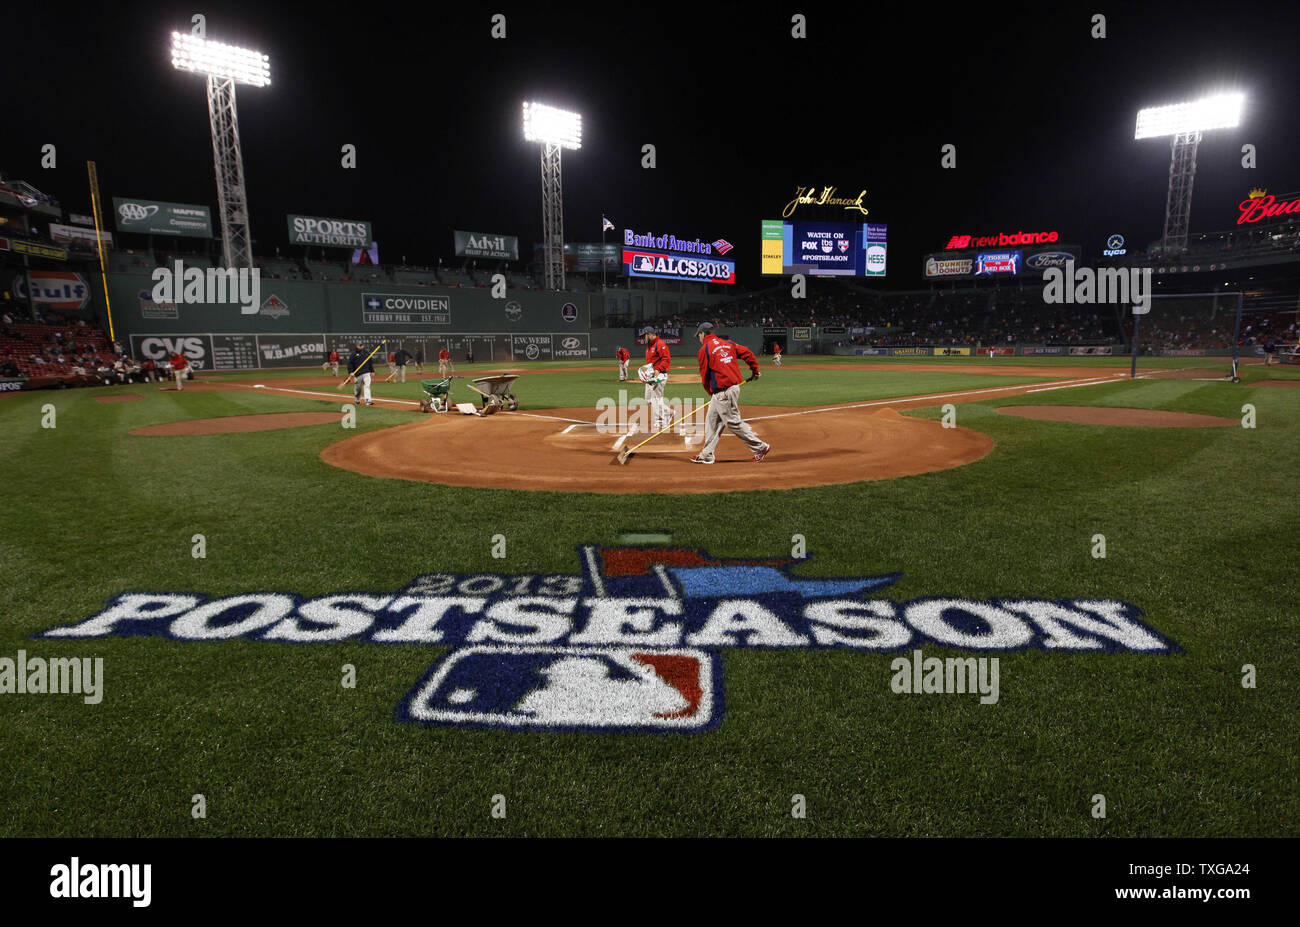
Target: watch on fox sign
824	249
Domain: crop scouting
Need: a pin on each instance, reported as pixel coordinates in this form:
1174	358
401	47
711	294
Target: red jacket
718	366
178	362
657	353
622	354
444	354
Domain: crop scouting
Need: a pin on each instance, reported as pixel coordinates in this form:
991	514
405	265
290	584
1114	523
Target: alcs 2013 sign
657	264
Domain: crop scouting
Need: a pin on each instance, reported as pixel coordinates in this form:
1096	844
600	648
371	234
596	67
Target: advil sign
630	644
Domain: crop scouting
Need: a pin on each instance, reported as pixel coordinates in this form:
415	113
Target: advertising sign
329	233
948	267
571	347
34	248
60	290
405	309
997	262
671	334
486	245
290	350
156	309
1001	240
531	347
155	217
773	247
663	266
824	249
1260	206
585	256
70	233
1042	260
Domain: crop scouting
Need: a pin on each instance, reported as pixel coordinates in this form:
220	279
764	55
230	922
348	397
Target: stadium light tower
555	129
225	66
1185	122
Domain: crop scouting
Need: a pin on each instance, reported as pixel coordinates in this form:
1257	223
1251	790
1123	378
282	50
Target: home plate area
682	439
563	450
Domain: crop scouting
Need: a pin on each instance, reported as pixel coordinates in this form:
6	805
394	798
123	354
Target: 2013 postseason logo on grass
629	644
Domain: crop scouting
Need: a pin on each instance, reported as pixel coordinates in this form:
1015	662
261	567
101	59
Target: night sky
1041	113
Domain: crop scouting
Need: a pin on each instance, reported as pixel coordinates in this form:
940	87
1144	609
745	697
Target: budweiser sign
1268	206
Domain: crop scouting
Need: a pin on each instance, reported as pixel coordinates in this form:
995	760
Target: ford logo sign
1048	259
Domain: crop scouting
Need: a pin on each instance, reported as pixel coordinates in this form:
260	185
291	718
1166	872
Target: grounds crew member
720	375
656	355
363	368
624	359
400	358
419	360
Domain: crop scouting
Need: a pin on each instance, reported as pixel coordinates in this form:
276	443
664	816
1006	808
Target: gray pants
399	373
660	415
725	410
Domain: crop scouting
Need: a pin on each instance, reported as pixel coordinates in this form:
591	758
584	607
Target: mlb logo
827	246
570	688
645	262
844	245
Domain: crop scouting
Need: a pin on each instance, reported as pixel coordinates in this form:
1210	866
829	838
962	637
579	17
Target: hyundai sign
662	266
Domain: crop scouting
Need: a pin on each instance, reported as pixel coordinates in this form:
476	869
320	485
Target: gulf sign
997	262
54	289
662	266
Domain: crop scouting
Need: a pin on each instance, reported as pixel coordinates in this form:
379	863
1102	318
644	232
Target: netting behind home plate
1188	325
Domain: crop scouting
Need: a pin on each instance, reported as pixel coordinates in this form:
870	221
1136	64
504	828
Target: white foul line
908	399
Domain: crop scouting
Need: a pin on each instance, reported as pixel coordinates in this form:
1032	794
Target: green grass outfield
1201	528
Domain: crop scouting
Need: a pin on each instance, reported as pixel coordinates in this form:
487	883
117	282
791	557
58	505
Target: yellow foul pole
99	243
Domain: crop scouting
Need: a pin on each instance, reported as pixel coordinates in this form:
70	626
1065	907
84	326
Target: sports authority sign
632	643
330	233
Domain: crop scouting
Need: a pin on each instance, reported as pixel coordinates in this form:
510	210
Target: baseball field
919	481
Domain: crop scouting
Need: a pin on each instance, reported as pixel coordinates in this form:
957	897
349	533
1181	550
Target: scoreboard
824	249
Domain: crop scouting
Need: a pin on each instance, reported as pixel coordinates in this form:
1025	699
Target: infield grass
1199	534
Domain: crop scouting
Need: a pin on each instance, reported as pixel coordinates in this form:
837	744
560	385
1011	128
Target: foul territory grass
1199	534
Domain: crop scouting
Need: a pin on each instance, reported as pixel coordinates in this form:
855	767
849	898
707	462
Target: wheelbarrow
497	392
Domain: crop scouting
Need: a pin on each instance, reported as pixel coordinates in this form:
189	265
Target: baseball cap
704	327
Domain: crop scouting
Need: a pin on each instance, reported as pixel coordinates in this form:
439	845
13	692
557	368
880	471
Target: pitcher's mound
1102	415
561	450
234	424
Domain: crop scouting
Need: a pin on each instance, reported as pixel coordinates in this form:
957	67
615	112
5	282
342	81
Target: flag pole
602	252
